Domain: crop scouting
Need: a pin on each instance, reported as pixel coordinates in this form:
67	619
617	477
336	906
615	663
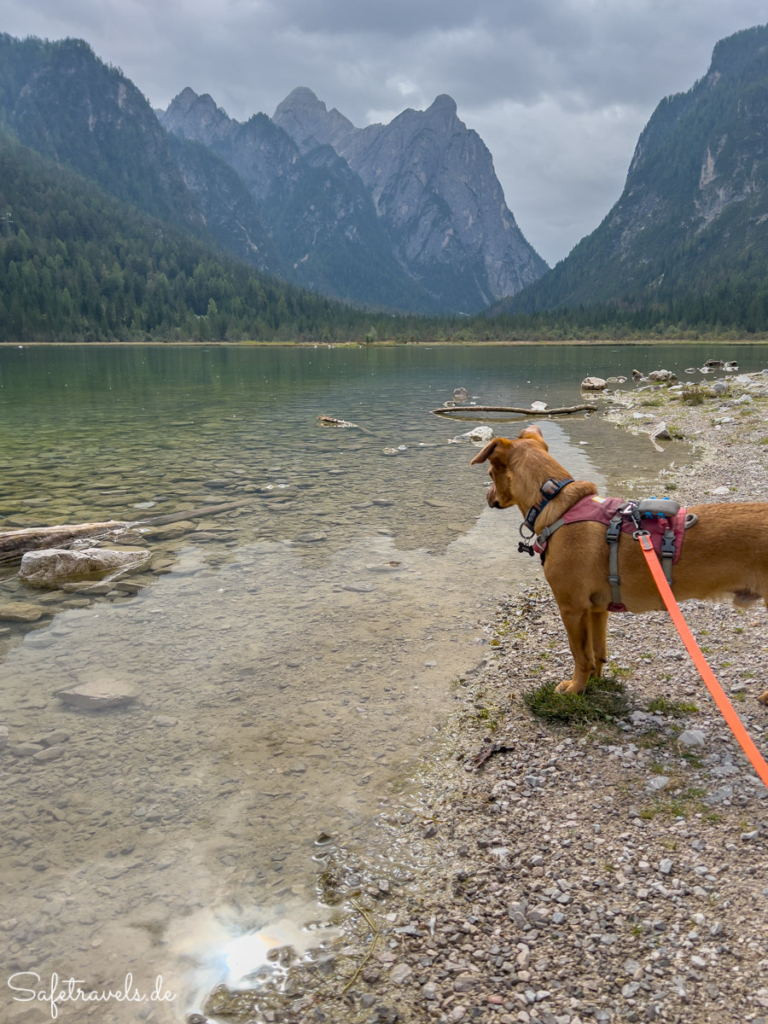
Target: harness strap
546	533
631	509
612	535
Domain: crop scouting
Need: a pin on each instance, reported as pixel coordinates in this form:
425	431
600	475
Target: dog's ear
533	434
498	447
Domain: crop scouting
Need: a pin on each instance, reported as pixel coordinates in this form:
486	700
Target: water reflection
240	949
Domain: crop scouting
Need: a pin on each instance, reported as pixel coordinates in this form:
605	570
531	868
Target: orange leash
706	673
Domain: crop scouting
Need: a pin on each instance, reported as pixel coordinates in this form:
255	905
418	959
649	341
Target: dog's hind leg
579	627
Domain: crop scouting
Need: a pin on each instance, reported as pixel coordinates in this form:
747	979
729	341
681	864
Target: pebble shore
612	872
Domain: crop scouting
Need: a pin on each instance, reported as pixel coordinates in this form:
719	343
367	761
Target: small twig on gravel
488	751
369	954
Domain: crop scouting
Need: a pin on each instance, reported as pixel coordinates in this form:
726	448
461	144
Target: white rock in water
661	432
662	375
99	691
539	406
460	395
593	384
57	565
482	434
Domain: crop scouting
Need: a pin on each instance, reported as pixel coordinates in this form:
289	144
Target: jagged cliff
693	211
436	193
229	211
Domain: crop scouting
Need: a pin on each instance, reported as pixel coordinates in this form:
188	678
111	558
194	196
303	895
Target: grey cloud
559	89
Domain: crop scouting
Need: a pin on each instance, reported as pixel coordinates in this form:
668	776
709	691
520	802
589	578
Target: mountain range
413	206
406	216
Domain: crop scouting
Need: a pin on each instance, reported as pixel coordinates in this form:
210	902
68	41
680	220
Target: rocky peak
443	109
184	100
731	55
300	98
434	185
695	199
61	100
309	122
197	118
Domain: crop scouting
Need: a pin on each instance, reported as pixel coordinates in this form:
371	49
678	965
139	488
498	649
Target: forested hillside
77	264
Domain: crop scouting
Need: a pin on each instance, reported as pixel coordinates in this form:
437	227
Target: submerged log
14	543
584	407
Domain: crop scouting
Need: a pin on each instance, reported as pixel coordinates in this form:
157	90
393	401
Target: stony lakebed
564	873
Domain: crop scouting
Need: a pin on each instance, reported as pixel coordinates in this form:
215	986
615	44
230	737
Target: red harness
617	516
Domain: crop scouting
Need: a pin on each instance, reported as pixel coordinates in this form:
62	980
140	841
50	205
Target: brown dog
724	556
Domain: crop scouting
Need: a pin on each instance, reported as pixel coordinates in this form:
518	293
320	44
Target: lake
291	659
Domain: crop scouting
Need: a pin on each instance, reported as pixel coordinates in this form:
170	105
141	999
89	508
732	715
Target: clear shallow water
291	657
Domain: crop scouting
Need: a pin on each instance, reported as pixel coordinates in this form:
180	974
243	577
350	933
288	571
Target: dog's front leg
599	630
578	623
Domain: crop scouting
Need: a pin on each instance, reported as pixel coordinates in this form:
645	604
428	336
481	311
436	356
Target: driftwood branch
584	407
332	421
14	543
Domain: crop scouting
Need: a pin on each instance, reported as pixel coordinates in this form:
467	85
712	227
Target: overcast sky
558	89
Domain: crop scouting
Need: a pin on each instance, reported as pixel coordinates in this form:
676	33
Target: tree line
79	265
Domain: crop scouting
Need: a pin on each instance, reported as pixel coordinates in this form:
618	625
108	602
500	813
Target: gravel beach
613	871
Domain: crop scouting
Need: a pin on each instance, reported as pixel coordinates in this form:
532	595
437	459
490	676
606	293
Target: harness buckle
549	490
551	487
613	530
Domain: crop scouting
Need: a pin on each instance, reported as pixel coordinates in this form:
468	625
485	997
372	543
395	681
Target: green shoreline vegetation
77	265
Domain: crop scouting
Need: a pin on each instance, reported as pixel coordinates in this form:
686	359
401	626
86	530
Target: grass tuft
674	708
694	396
604	700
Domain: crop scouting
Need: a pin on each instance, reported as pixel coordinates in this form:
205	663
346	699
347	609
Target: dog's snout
490	496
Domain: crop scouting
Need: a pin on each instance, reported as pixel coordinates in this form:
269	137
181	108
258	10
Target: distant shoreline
661	343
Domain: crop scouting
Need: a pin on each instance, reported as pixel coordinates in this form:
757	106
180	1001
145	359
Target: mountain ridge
695	196
320	219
